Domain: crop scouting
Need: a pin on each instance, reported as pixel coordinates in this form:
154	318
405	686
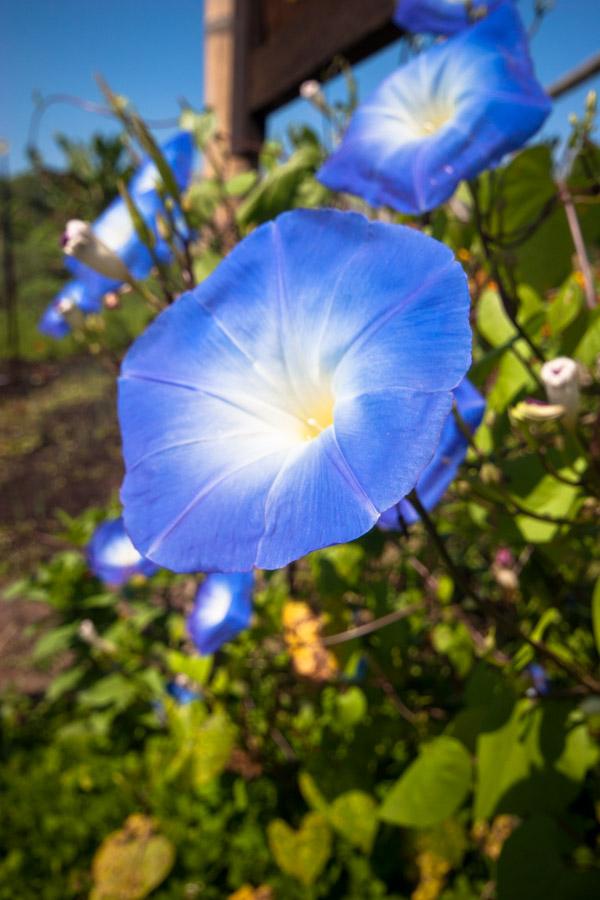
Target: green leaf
565	306
596	614
240	184
113	690
197	668
311	793
351	707
432	788
354	816
534	762
454	640
64	682
277	190
57	640
213	743
302	854
531	866
492	322
540	492
202	125
513	378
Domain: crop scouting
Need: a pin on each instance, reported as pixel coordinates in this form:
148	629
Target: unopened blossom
294	395
222	608
448	114
311	90
80	241
561	381
533	410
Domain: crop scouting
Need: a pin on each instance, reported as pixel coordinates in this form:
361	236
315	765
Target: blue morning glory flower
181	694
115	228
53	322
113	558
222	608
294	395
74	294
440	16
442	469
447	115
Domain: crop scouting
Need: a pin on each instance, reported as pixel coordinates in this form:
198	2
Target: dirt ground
59	449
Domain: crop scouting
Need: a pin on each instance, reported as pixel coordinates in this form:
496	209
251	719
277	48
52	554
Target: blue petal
222	608
438	16
413	424
254	409
113	558
448	457
53	323
315	500
447	115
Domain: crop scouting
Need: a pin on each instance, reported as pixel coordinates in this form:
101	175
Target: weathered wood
279	44
219	69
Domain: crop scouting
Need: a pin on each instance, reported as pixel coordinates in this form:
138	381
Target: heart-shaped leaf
131	862
354	816
303	853
432	788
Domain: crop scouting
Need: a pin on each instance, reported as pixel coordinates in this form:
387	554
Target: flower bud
80	241
561	380
310	90
536	411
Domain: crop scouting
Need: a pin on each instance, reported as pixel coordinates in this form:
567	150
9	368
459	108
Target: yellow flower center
434	118
318	415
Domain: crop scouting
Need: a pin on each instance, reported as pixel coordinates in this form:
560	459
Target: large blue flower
222	608
115	227
113	558
53	322
452	112
440	16
292	396
442	469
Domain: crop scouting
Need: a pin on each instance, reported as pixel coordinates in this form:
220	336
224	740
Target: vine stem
508	302
573	670
579	244
370	627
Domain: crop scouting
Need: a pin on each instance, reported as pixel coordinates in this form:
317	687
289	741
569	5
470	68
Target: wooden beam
317	31
273	56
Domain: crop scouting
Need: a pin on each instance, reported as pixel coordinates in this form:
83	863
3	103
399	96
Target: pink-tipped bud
80	242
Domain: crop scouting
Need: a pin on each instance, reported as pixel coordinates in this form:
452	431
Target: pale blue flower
453	111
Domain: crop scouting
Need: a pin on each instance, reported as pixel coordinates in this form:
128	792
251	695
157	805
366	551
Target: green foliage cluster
452	753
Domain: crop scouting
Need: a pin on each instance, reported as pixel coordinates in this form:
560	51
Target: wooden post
219	41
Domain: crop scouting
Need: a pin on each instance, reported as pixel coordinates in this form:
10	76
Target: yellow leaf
131	862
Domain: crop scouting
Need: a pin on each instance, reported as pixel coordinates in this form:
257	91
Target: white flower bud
80	242
310	90
87	631
561	380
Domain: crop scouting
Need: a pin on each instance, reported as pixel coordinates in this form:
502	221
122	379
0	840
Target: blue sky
151	51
